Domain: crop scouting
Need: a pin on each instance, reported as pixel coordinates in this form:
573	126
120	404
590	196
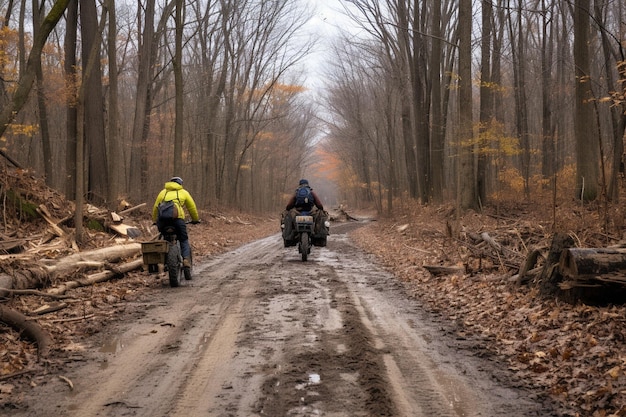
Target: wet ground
258	332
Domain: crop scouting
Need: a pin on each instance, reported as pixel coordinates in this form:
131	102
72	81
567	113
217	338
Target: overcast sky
327	21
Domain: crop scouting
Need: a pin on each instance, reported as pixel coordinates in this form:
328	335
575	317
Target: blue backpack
304	198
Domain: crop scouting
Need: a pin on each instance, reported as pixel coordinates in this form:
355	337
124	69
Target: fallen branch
444	270
49	308
45	214
67	381
70	319
32	330
128	210
495	245
531	260
16	374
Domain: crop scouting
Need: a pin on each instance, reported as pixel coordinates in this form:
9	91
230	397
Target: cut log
125	230
40	276
595	276
585	263
98	277
109	254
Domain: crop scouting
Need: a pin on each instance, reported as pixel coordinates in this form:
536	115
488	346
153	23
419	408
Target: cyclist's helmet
177	180
304	182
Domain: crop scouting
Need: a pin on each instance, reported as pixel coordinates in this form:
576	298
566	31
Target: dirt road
260	333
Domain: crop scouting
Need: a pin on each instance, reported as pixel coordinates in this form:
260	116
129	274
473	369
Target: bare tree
547	123
486	101
614	69
586	128
179	87
116	162
437	110
46	146
517	32
138	159
467	183
95	140
29	74
71	85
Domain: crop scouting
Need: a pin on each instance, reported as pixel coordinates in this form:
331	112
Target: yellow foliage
26	130
512	179
511	182
8	53
493	141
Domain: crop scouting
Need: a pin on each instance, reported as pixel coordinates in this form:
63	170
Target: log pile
39	255
500	249
560	269
590	275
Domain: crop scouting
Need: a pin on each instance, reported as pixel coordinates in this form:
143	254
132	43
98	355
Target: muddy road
260	333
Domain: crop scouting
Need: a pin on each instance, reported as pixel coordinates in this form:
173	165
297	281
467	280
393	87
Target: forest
430	101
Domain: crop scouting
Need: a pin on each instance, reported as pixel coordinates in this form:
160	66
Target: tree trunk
467	183
486	103
521	100
437	132
179	89
586	129
618	108
95	141
46	146
547	129
116	162
71	85
138	159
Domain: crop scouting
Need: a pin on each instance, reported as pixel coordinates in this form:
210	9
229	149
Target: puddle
112	345
314	379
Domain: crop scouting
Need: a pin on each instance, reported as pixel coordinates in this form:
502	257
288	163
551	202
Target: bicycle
166	251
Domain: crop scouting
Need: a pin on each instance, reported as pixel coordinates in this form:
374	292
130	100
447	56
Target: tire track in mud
203	381
339	370
260	333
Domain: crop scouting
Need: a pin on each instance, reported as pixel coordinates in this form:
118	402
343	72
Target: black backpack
304	198
168	210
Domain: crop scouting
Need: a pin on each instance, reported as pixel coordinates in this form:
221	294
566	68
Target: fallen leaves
574	353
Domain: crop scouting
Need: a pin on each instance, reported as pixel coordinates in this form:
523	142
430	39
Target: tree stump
550	276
